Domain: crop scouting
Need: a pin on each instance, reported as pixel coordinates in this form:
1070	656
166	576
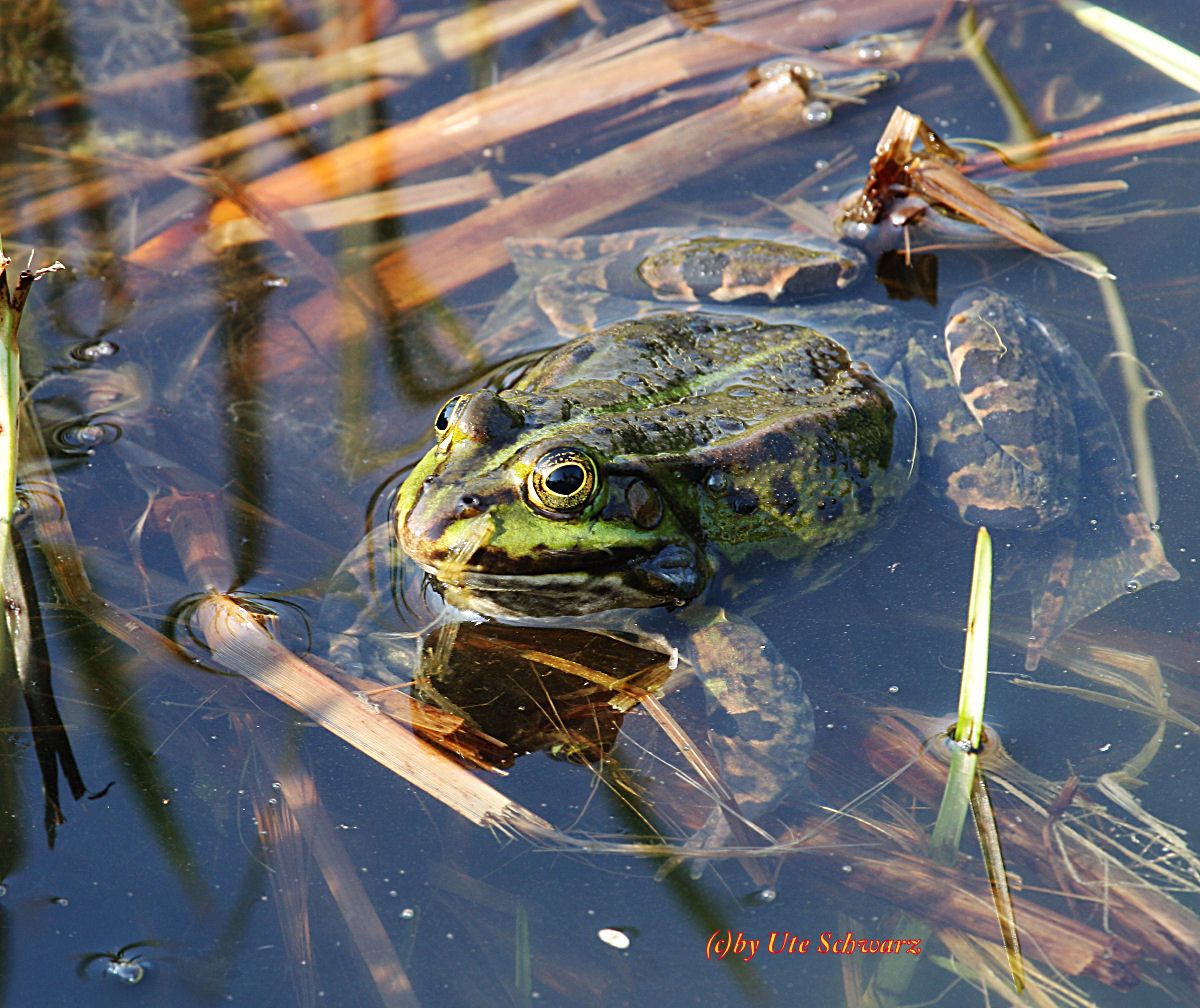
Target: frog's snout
427	526
445	539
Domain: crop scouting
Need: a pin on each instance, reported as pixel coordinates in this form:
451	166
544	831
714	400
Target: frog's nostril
468	506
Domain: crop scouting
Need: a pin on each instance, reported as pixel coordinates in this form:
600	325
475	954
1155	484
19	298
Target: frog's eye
449	413
561	481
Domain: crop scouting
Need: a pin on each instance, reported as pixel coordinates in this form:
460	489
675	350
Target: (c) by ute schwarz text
738	945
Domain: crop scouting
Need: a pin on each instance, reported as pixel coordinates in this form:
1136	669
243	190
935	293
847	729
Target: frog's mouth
559	585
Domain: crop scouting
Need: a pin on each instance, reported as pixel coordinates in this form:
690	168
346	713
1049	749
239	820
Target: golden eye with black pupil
562	481
449	413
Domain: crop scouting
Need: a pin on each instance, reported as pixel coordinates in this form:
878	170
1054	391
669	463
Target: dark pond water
247	855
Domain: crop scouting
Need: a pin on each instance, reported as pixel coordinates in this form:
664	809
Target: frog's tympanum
663	460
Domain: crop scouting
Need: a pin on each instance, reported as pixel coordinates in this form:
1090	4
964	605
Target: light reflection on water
213	383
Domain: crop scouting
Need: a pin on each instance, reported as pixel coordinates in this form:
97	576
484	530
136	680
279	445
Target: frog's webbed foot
373	609
760	721
1019	437
561	292
1096	565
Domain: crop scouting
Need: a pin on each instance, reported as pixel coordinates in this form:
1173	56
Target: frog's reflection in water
569	693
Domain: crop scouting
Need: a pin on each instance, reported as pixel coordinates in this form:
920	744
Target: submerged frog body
665	460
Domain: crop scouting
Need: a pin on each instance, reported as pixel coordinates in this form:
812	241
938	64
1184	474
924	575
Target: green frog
717	436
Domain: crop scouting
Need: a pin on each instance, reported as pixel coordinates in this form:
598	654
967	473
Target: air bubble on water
869	51
84	438
760	896
818	113
94	351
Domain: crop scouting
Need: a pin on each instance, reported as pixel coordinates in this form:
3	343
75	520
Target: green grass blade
965	787
969	729
10	397
892	977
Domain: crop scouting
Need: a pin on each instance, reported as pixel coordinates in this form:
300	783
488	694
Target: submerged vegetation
283	228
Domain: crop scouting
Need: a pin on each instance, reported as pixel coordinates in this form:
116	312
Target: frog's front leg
760	720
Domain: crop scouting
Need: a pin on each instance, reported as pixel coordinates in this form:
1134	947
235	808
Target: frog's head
519	510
